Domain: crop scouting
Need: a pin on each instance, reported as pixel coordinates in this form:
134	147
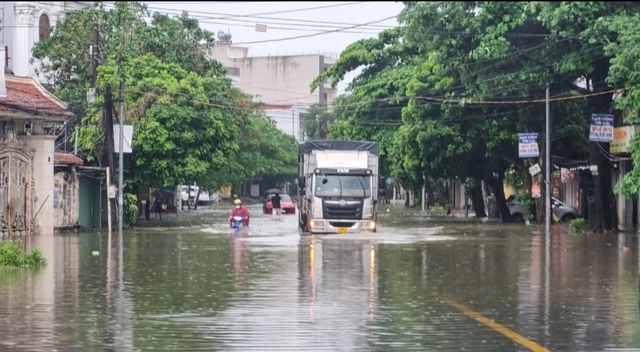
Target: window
45	27
232	71
343	186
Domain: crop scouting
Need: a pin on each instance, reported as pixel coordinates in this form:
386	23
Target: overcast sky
322	26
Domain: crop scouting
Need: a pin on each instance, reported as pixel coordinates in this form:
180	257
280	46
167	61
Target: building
282	82
27	112
24	23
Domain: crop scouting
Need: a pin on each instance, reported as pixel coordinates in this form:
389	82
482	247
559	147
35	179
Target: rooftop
66	159
26	95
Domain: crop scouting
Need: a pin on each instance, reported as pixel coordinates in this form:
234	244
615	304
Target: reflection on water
203	291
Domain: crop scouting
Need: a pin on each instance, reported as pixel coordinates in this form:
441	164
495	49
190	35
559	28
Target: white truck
338	186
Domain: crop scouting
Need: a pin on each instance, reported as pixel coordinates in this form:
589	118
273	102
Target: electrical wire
314	34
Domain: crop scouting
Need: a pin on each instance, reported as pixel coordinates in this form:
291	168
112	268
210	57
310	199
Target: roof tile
26	95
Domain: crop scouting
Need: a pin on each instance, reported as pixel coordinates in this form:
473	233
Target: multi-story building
282	81
24	23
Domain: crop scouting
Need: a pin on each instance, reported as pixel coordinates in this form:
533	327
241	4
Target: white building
24	23
280	81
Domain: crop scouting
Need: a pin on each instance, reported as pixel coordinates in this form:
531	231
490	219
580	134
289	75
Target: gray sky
334	25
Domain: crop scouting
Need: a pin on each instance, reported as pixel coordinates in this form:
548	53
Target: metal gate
17	194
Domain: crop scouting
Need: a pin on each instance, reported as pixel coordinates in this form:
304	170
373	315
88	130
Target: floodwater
417	285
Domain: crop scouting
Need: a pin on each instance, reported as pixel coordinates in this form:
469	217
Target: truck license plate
343	230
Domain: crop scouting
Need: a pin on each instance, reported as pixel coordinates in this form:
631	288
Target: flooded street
417	285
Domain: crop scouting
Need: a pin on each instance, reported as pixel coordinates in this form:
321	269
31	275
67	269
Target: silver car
564	212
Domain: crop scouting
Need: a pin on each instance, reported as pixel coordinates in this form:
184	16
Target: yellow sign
621	137
225	191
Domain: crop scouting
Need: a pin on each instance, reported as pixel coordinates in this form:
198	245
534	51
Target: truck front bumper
341	226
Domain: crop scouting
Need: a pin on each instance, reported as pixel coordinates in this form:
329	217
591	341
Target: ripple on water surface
205	289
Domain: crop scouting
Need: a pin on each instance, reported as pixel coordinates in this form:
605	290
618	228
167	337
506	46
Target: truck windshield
343	186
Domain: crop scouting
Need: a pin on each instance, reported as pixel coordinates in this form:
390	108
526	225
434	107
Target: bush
12	254
576	225
528	202
131	211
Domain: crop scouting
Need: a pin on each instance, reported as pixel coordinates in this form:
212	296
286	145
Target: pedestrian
157	206
275	201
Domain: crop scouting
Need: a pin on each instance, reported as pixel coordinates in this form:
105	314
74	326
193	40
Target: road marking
533	346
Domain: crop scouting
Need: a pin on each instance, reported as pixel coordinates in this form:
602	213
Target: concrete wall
43	179
66	197
276	79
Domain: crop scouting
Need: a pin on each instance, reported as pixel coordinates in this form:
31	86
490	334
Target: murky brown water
200	289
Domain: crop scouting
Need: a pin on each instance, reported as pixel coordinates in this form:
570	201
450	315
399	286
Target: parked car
564	212
286	204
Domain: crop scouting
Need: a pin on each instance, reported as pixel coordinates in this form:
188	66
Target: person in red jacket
239	210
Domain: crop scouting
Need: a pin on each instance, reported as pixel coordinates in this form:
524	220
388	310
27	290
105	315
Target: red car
286	205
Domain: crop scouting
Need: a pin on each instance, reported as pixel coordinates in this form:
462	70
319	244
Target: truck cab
338	186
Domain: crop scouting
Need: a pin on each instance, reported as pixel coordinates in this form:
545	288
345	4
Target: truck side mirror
301	182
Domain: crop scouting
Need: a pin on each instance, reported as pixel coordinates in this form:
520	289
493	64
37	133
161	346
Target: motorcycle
237	223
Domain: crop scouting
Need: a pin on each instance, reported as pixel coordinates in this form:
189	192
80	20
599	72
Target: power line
297	22
316	34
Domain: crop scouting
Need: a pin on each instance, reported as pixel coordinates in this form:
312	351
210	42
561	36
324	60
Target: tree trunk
540	201
108	131
189	198
498	190
601	207
429	191
195	204
478	202
492	208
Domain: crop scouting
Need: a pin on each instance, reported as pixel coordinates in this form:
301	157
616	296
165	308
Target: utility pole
424	193
94	56
121	135
547	162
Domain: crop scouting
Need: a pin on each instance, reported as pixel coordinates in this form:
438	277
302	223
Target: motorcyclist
239	210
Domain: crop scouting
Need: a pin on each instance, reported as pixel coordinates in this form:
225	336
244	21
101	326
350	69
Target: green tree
188	120
510	51
264	151
65	60
317	121
371	110
185	124
625	57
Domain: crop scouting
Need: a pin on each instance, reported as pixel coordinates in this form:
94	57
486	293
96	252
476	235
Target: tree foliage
190	124
469	76
184	124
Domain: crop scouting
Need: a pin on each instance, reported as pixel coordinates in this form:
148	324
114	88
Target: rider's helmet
237	202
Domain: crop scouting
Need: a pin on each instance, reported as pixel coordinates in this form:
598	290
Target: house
24	23
66	191
27	110
278	78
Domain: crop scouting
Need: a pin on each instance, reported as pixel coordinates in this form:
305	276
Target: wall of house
66	197
283	79
21	31
43	179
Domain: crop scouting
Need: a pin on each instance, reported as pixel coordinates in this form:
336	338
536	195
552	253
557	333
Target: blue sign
389	180
601	128
528	145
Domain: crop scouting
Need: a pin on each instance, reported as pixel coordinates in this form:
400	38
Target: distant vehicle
203	196
286	204
564	212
